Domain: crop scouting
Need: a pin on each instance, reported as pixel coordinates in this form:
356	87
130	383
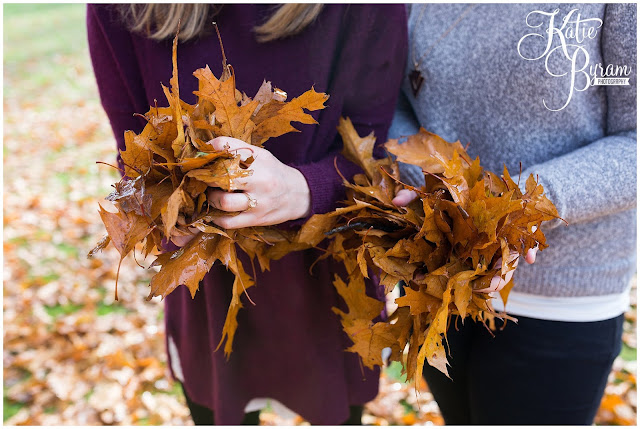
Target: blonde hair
160	21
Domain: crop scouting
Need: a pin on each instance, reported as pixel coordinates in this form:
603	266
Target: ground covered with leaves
72	355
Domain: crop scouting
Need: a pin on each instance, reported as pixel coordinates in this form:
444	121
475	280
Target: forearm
596	180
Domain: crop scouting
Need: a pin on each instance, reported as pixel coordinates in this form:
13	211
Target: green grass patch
104	309
10	408
176	390
394	371
69	250
49	277
88	395
408	408
42	234
19	9
19	241
64	178
145	421
628	353
62	310
44	45
35	281
40	31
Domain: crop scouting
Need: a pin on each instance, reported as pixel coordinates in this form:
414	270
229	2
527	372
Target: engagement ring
252	201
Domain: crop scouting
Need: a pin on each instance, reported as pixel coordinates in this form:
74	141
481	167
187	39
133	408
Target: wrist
300	197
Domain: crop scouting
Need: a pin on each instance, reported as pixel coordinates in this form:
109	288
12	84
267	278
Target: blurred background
72	355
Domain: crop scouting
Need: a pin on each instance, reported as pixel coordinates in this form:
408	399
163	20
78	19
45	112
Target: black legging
202	415
533	372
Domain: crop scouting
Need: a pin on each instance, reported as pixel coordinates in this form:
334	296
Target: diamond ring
252	201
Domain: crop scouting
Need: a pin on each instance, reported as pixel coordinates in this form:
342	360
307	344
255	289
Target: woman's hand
273	194
405	196
497	282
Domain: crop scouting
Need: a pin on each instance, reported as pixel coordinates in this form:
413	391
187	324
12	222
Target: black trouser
202	415
532	372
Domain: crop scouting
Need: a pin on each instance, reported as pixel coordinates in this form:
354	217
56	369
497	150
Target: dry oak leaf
169	166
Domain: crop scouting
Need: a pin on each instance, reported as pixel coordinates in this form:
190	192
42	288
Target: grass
9	408
103	309
394	371
36	53
33	31
628	353
62	309
67	249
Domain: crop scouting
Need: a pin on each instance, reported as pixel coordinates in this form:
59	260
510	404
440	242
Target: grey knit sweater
493	83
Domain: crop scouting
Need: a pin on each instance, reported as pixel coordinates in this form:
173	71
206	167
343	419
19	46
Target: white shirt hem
563	308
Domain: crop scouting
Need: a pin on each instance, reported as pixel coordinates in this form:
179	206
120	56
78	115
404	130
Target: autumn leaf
275	117
356	149
186	266
223	174
241	283
433	349
169	167
425	150
418	302
136	157
443	247
235	121
125	229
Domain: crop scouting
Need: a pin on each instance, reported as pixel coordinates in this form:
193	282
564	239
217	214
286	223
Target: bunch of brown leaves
444	245
169	167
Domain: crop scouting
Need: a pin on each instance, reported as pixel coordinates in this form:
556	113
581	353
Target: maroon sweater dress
290	345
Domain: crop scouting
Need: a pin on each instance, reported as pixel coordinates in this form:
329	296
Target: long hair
160	21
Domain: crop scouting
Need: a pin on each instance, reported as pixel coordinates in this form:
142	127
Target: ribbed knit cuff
547	280
326	189
322	187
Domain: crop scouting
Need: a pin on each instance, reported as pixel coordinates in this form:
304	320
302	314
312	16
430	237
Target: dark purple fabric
290	345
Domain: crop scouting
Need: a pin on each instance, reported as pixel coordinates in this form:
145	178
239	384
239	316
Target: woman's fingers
404	197
243	220
231	201
531	255
183	240
497	282
235	146
273	194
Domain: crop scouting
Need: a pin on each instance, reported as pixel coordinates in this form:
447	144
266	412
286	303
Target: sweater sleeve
373	55
118	77
599	179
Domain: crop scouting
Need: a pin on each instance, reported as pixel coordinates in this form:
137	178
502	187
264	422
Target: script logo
560	43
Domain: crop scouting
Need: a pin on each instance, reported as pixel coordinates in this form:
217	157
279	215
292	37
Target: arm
116	71
367	74
599	179
375	53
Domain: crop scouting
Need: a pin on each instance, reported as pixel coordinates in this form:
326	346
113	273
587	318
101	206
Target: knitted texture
484	88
